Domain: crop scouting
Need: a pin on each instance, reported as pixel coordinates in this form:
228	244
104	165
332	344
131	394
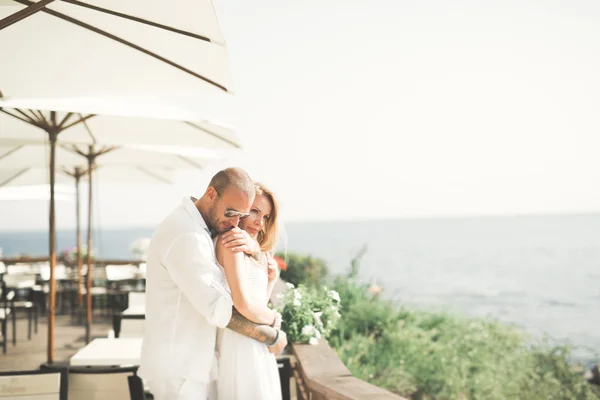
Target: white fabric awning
171	49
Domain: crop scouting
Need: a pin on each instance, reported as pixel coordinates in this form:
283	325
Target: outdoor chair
105	383
34	385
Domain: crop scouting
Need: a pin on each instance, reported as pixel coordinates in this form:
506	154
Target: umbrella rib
24	13
140	20
234	144
29	118
191	162
126	43
66	172
82	119
106	150
8	153
27	121
74	149
40	116
12	178
153	175
34	117
87	128
64	120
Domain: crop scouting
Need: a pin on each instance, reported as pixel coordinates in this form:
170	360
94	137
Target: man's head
227	199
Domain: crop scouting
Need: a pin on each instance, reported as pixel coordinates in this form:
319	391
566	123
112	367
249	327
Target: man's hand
272	267
280	345
239	240
277	322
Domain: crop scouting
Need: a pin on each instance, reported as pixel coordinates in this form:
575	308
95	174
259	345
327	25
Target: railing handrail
40	259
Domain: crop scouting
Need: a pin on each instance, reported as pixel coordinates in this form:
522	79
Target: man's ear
211	193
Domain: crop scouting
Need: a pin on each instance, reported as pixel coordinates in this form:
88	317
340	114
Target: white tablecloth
107	352
134	310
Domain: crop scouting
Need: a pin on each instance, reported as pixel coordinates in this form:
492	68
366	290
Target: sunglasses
231	213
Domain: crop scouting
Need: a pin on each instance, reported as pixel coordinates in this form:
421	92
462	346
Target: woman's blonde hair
267	238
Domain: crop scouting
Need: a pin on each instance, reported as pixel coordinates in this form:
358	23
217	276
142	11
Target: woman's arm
233	263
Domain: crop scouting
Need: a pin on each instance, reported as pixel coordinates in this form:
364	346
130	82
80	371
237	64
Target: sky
389	109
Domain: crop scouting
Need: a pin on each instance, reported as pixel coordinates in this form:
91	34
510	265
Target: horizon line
359	219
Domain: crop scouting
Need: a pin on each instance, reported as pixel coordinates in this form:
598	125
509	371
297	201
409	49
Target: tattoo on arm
244	326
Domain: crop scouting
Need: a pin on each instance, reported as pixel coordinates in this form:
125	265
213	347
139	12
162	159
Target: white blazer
186	299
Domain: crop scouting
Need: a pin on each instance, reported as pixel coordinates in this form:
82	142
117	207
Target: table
134	310
108	352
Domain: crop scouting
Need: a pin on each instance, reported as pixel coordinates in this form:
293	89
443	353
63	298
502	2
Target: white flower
317	316
297	303
313	341
317	334
308	330
289	285
279	296
334	295
335	311
297	294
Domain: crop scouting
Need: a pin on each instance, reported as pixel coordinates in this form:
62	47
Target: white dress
246	368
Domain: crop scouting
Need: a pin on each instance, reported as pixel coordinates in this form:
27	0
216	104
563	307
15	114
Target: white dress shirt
186	299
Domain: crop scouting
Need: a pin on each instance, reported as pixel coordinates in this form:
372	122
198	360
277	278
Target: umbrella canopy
24	154
147	47
112	122
35	192
65	176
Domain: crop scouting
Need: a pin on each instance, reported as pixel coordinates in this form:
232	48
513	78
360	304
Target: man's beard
213	222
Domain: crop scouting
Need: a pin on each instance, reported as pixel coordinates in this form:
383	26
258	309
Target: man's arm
263	333
190	266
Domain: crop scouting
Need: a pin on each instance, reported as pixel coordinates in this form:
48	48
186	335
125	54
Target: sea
539	273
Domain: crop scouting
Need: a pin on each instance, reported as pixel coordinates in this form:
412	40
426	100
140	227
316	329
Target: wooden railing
320	374
40	259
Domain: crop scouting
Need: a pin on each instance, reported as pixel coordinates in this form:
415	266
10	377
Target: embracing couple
209	333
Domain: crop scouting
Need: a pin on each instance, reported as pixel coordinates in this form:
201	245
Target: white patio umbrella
18	122
70	48
116	164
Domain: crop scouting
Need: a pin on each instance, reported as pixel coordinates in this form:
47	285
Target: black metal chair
6	311
42	384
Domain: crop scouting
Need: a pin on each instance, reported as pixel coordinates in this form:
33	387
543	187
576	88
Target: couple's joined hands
240	241
280	344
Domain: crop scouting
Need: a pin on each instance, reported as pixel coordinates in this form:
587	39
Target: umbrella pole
52	292
88	322
79	256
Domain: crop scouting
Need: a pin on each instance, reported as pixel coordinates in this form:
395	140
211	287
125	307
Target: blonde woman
247	369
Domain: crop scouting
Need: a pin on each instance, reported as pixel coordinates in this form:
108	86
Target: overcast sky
387	109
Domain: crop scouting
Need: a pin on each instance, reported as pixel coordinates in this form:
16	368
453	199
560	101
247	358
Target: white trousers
177	389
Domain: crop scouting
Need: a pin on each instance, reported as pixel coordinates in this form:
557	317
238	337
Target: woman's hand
272	267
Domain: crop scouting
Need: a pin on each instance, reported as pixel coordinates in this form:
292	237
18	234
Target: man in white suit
186	300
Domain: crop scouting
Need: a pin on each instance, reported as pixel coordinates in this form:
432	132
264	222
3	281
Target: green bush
439	356
303	269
